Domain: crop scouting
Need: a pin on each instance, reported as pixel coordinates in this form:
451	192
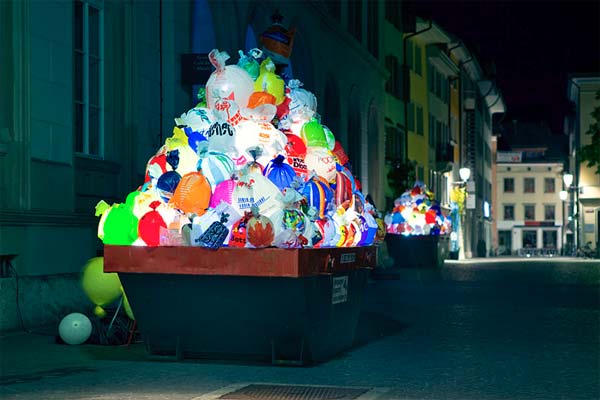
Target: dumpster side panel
214	316
287	306
334	312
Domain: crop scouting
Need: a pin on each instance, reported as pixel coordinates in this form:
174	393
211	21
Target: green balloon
313	134
329	137
130	200
121	226
100	287
127	307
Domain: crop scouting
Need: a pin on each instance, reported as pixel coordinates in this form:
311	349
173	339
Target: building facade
89	92
479	101
584	194
90	89
530	212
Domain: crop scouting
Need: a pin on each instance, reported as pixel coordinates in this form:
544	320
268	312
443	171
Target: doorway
504	243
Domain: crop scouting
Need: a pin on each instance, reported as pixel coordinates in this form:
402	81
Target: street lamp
563	195
464	174
568	180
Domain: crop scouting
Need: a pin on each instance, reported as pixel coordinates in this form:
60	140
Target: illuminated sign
486	209
509	156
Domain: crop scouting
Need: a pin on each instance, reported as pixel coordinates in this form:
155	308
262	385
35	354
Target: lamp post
563	195
465	174
571	207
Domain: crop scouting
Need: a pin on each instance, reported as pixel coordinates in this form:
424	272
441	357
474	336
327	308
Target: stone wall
42	300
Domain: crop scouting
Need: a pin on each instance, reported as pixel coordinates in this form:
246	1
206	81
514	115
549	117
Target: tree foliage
458	195
402	176
591	152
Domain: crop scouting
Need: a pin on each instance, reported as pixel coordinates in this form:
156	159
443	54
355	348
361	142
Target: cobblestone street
517	330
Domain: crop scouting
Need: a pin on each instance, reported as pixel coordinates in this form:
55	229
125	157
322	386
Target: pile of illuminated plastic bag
250	166
417	213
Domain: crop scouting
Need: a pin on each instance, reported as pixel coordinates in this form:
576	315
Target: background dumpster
287	306
418	251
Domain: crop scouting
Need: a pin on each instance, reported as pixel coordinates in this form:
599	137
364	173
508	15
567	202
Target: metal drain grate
285	392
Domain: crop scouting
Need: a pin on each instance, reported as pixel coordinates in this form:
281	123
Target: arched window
203	31
354	134
250	42
203	35
331	118
374	186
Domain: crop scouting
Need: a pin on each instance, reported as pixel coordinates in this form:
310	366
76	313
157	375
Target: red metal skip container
286	306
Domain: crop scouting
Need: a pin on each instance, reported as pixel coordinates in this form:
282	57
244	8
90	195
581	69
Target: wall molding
46	218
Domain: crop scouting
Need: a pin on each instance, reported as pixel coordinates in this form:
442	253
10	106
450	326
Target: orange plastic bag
192	194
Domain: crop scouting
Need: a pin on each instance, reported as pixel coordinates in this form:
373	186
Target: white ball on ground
75	328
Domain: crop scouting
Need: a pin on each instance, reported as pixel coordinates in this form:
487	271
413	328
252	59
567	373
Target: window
411	117
334	9
549	212
393	84
88	77
355	18
418	67
509	185
420	130
409	54
392	12
549	239
373	28
528	185
530	239
432	132
421	173
454	129
548	185
529	212
394	142
509	212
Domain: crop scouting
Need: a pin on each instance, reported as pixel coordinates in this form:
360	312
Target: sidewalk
510	270
23	355
421	340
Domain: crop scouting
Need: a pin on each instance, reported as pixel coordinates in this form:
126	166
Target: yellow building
429	111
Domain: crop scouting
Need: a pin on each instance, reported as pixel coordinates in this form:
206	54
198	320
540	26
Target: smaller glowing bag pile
417	213
251	166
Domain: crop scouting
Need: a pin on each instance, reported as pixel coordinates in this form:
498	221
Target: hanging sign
339	292
195	69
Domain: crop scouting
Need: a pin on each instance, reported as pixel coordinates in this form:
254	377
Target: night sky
534	46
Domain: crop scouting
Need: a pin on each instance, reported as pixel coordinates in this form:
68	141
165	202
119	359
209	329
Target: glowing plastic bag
215	166
269	81
150	224
255	189
279	172
192	194
259	230
248	62
227	82
322	162
303	104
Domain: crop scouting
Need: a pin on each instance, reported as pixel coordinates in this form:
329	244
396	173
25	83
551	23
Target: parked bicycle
586	251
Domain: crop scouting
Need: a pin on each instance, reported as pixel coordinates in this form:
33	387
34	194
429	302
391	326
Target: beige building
530	212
